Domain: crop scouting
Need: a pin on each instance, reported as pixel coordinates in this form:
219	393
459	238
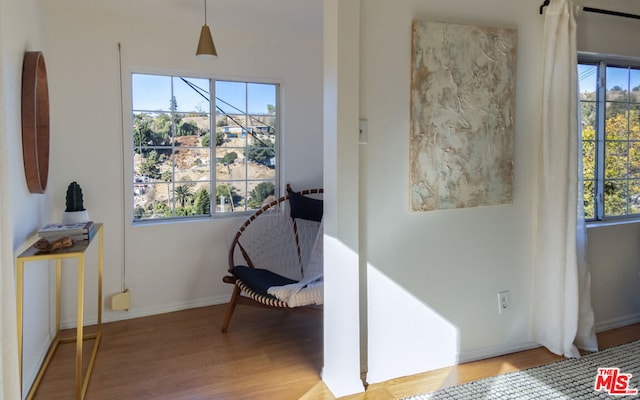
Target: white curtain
562	317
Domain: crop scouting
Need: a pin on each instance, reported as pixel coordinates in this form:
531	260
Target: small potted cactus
75	211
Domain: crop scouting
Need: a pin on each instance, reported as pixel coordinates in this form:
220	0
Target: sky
623	77
153	93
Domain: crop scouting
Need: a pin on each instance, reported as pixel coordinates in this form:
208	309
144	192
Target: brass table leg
80	326
19	290
31	254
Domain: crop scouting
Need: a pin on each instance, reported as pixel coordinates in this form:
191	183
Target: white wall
613	249
21	30
614	258
605	34
342	319
174	265
433	277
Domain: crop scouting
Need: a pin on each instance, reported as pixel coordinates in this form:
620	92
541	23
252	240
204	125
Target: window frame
601	62
128	143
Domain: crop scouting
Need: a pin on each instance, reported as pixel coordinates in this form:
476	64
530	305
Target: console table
76	251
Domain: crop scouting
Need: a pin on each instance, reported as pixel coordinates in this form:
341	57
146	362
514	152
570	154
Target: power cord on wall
122	301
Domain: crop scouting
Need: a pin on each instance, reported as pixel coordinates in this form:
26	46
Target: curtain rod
598	11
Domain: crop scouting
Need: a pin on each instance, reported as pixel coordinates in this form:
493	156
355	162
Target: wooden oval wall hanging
35	121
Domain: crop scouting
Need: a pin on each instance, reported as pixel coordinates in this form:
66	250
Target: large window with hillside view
610	114
201	146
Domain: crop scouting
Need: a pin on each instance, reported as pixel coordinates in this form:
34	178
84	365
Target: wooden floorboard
265	355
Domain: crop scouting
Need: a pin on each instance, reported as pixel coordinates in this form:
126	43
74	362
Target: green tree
145	133
183	211
182	193
588	168
219	139
229	159
142	132
202	202
205	141
161	209
173	107
622	162
262	152
163	126
617	101
588	109
259	193
228	191
173	104
139	212
149	165
186	128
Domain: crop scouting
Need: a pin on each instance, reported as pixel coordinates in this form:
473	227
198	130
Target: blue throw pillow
305	207
260	280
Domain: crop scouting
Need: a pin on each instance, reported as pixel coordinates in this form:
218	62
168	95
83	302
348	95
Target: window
610	116
181	169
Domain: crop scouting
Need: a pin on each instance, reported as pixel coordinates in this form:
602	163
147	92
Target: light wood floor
264	355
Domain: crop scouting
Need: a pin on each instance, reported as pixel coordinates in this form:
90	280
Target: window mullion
600	140
246	147
158	193
628	128
213	147
172	138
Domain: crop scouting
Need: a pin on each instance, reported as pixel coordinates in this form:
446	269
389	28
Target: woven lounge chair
275	257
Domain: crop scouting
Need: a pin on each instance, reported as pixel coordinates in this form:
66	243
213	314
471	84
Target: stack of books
80	231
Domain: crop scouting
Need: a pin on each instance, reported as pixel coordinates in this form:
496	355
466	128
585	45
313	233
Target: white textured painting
462	115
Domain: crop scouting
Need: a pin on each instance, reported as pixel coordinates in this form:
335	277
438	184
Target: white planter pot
75	217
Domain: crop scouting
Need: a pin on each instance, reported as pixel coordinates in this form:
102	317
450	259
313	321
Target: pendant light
205	44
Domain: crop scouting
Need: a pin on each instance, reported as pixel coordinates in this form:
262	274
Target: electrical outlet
503	301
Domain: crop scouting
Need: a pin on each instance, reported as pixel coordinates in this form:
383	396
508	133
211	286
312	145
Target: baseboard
113	316
494	351
617	322
464	356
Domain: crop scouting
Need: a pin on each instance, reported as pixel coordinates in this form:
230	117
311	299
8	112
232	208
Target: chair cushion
260	280
305	207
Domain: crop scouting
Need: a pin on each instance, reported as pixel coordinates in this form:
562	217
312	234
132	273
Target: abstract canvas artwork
462	115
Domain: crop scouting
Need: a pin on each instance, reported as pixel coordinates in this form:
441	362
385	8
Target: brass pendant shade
205	44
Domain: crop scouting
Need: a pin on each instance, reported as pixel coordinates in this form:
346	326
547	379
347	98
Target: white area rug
567	379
